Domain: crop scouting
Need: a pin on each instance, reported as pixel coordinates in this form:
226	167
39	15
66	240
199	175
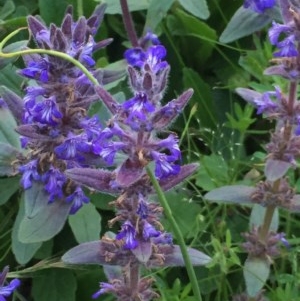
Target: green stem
59	54
178	235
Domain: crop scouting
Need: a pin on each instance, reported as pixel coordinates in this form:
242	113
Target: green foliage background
216	129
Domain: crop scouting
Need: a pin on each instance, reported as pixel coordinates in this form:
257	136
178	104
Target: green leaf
213	172
179	203
10	79
54	284
114	7
244	22
86	224
7	9
23	252
256	272
54	12
156	12
42	220
237	194
8	154
8	186
258	215
7	128
202	96
197	8
193	27
13	47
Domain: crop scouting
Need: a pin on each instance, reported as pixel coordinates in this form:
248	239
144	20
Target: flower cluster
54	125
134	126
266	248
7	290
135	136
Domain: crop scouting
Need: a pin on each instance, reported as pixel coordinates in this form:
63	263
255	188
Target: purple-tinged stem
292	96
127	19
267	222
134	279
287	136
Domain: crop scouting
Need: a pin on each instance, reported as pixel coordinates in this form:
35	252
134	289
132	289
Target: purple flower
104	288
142	209
86	54
171	143
149	231
138	107
164	165
92	127
282	238
265	105
163	238
259	5
152	57
30	173
287	45
31	94
108	151
6	291
72	146
78	198
37	70
128	233
135	57
54	180
46	112
151	37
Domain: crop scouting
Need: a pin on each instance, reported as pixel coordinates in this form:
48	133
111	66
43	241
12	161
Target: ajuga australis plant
263	241
137	132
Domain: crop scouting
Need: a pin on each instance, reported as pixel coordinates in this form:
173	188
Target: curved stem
178	235
62	55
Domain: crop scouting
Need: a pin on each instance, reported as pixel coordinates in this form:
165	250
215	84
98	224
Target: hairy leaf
276	169
256	272
42	220
244	22
22	251
7	128
258	215
238	194
8	155
8	186
197	8
86	223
